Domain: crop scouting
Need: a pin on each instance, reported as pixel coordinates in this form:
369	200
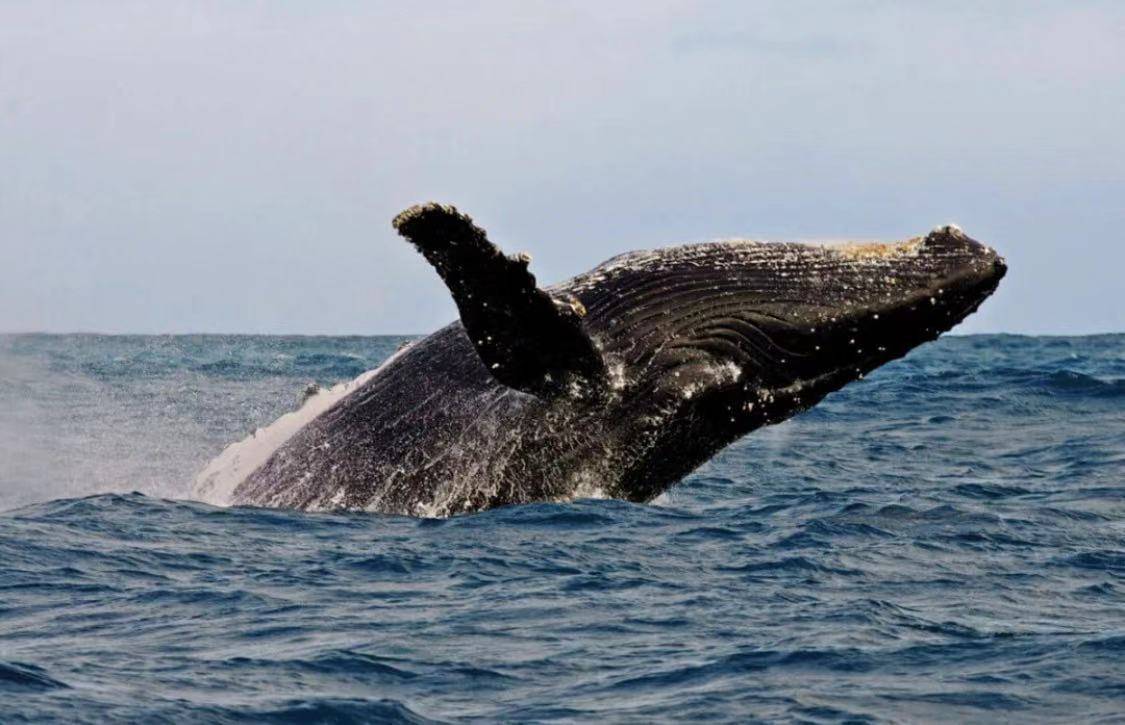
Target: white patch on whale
216	483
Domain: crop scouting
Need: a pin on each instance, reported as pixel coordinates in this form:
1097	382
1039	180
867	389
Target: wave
16	677
1067	382
319	710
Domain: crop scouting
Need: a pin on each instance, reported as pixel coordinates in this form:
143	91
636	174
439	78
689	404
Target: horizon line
95	333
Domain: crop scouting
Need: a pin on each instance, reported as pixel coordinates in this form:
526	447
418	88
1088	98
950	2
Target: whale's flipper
528	338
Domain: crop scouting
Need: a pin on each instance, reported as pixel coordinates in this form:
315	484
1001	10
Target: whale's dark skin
620	381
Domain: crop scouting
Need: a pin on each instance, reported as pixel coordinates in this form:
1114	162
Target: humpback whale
615	383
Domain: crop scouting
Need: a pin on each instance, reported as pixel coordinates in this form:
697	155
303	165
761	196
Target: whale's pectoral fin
528	338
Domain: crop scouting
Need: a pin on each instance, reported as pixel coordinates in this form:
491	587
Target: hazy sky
234	166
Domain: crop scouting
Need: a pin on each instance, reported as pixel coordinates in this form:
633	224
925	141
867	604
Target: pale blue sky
234	166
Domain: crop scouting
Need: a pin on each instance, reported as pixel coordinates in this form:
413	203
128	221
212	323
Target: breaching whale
617	382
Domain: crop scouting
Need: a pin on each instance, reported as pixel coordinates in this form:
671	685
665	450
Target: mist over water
85	414
943	539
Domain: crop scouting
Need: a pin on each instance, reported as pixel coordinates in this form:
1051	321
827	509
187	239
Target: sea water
943	540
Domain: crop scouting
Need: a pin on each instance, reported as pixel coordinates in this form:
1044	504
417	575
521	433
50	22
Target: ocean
944	540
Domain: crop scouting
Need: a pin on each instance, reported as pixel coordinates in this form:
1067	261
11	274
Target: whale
616	383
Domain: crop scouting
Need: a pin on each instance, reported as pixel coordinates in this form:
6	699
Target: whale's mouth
892	327
983	289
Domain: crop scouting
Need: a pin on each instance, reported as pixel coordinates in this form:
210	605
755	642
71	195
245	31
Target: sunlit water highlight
944	540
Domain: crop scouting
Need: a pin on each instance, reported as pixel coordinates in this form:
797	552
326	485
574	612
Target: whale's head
717	339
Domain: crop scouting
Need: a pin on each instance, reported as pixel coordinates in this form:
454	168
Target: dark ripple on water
945	540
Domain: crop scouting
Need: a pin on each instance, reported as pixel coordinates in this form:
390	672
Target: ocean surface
944	540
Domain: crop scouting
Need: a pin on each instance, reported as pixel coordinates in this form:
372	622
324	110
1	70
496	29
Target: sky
234	166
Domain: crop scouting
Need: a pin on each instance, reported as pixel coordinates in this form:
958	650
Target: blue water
944	540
